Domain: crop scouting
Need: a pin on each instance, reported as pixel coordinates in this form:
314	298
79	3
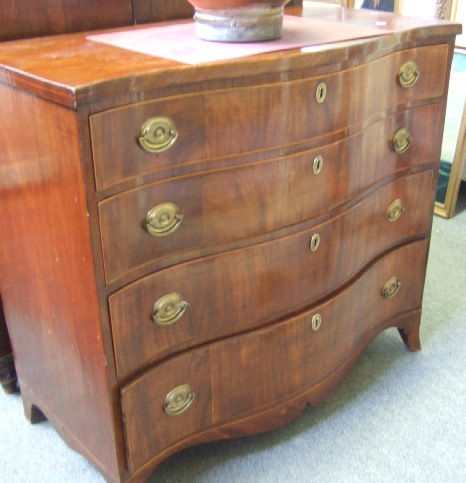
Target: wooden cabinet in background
33	18
197	252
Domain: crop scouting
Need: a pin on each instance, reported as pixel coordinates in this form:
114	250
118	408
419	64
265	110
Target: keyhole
318	162
321	92
315	242
316	322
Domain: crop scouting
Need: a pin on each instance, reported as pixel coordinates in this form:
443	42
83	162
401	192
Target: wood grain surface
255	372
213	124
79	275
236	204
32	18
243	289
97	72
47	277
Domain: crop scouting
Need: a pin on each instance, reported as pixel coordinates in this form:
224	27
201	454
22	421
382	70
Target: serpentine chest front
196	253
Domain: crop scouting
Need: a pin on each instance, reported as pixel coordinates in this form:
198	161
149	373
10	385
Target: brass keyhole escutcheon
179	399
391	288
169	309
408	75
321	92
163	219
395	210
401	140
158	134
318	163
316	322
315	242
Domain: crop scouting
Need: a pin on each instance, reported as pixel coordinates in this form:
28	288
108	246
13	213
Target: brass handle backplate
321	92
163	219
316	322
179	399
391	287
158	134
395	210
168	309
408	75
318	163
402	140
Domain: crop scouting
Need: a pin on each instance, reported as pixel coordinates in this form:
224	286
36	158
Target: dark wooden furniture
7	366
33	18
214	287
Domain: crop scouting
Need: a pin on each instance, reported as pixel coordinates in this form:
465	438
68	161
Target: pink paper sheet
179	42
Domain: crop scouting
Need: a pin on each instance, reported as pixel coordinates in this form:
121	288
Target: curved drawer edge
306	279
287	410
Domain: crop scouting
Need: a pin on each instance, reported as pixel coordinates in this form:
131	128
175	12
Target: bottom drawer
241	375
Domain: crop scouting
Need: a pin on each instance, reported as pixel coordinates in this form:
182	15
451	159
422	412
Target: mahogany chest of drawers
191	253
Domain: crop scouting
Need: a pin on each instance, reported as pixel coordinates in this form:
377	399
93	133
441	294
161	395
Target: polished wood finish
200	116
33	18
223	289
146	11
59	320
255	371
79	275
26	18
191	366
126	74
20	19
235	204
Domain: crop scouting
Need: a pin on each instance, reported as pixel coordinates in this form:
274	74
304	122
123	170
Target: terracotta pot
239	20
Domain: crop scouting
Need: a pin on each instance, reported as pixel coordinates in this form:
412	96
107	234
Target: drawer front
235	204
233	121
258	370
241	289
277	362
149	427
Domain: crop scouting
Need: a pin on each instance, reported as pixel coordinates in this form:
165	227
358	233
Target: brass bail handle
169	309
163	219
395	210
179	399
158	134
391	288
402	141
408	75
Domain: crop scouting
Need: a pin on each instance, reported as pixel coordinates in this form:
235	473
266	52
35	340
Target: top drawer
163	134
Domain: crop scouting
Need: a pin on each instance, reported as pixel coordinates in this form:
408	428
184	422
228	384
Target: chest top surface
74	71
